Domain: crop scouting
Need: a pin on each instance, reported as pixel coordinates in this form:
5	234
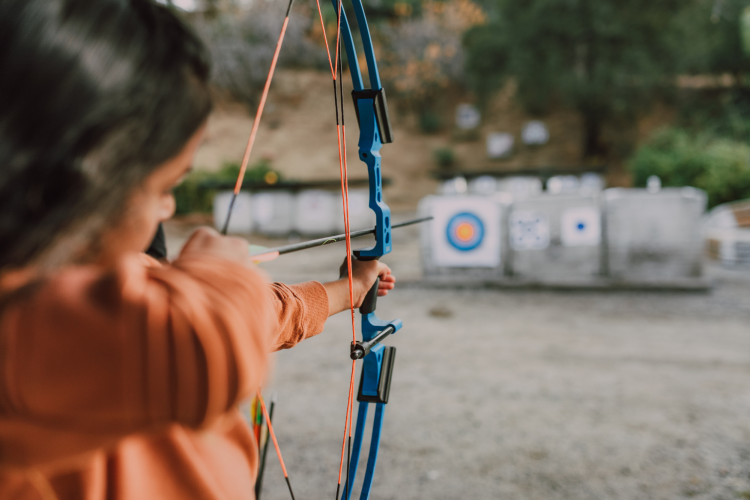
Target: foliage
242	43
715	37
424	56
605	58
424	53
745	30
190	195
719	166
445	158
196	192
392	9
723	113
430	121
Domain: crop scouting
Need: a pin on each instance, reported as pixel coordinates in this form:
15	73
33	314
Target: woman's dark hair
94	95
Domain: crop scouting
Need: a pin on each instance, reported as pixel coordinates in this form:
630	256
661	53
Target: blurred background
577	313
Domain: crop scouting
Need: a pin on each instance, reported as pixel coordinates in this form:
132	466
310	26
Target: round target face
465	231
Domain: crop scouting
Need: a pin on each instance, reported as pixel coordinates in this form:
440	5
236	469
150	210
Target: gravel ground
519	394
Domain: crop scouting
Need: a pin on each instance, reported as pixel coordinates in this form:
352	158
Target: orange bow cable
256	122
264	455
336	66
238	186
350	404
275	443
325	39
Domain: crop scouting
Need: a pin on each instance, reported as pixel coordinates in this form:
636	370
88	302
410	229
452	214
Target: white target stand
464	237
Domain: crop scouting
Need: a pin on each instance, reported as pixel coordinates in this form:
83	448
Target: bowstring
235	193
275	443
256	122
344	173
350	406
336	67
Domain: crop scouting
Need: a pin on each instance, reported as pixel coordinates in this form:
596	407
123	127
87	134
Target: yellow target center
465	231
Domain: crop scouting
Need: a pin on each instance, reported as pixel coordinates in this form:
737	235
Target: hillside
298	130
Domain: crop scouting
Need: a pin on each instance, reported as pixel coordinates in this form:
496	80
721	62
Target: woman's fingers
387	283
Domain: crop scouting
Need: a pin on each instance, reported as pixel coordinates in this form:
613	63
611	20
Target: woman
121	376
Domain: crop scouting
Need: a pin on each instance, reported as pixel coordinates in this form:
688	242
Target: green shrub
196	192
191	197
721	167
727	176
430	122
445	158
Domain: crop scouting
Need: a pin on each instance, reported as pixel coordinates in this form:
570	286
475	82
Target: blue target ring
465	231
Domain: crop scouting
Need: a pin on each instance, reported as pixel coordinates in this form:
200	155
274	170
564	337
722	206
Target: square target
580	226
529	230
465	231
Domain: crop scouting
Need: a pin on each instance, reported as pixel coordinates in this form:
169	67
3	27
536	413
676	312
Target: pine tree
605	58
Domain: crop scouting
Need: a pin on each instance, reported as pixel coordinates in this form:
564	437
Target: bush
196	193
429	121
721	167
242	44
727	177
423	59
445	158
191	197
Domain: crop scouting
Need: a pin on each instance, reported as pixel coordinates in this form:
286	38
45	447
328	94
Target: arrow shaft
296	247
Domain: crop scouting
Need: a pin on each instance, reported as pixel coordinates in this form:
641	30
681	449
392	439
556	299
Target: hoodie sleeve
301	311
136	348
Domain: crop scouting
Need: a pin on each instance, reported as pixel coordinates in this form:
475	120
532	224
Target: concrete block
555	239
653	236
315	212
360	215
273	212
241	221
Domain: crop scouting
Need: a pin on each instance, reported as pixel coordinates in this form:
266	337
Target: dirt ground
527	394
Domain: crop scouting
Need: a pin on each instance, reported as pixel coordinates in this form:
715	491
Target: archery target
580	226
529	230
465	231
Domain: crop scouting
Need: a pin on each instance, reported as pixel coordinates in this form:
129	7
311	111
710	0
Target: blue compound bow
374	130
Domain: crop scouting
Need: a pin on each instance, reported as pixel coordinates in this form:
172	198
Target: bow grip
371	299
370	303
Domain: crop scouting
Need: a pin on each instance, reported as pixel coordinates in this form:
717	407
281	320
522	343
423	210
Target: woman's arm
303	309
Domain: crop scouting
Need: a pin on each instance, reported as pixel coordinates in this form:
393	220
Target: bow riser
375	129
369	153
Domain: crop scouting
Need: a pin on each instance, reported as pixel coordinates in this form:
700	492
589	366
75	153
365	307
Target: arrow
296	247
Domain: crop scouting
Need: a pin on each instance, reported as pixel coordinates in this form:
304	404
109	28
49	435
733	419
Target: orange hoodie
124	384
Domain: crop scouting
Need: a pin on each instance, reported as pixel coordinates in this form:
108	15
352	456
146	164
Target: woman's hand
364	273
207	241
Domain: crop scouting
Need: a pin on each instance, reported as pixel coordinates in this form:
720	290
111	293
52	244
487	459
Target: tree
605	58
